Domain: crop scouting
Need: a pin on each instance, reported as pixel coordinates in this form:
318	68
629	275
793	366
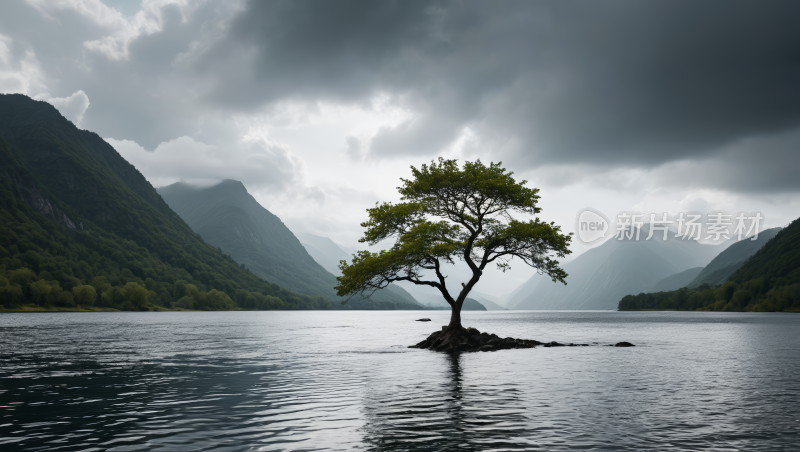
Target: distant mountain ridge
228	217
437	302
676	281
768	281
601	276
328	254
720	269
324	250
77	214
486	302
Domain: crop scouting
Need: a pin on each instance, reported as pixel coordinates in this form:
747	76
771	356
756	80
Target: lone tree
450	213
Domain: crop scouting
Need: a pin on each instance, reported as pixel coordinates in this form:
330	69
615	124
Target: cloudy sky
320	107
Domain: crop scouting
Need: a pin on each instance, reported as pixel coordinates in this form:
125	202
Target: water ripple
346	381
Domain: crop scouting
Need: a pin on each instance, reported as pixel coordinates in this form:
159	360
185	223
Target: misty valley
83	232
378	225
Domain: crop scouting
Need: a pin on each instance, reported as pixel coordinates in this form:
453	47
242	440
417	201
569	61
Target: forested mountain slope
228	217
720	269
777	263
75	213
768	281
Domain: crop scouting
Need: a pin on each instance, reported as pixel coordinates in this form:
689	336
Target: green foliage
135	294
777	262
74	213
228	217
731	296
768	281
185	303
451	212
84	295
11	294
40	291
725	264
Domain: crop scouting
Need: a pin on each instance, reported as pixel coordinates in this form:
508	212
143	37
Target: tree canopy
451	213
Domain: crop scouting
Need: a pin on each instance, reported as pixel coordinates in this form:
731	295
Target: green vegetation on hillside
768	281
722	267
76	215
228	217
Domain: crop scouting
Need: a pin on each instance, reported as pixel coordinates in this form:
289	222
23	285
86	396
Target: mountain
601	276
524	291
678	280
768	281
486	302
437	302
776	264
328	254
471	304
324	251
727	262
80	225
229	218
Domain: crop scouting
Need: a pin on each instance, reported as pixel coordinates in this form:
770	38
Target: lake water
346	381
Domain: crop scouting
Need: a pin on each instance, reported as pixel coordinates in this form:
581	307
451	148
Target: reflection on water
345	381
451	414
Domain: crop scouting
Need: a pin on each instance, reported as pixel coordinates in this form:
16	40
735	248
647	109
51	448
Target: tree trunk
455	318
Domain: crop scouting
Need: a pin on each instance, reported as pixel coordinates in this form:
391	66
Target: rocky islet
473	340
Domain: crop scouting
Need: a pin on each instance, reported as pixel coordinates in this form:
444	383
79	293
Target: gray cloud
760	165
257	163
599	84
72	107
336	50
604	82
353	148
153	99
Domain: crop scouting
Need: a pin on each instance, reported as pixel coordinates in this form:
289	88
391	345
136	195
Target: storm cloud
640	83
331	101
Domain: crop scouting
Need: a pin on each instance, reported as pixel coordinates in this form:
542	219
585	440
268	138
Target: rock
471	340
554	344
624	344
423	320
